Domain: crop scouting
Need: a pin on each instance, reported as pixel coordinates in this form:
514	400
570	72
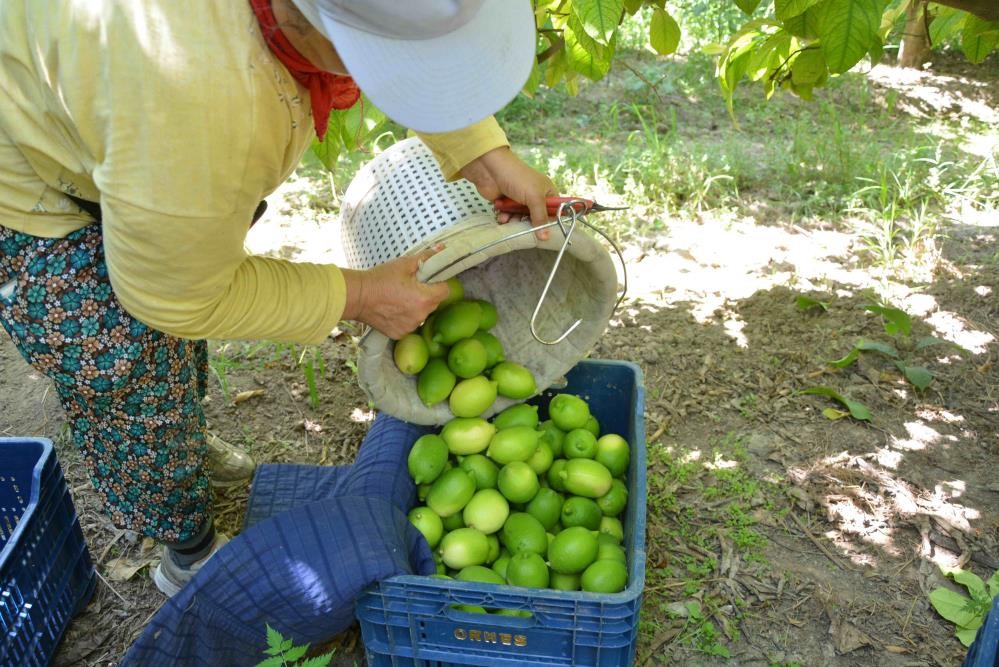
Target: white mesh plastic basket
399	203
399	199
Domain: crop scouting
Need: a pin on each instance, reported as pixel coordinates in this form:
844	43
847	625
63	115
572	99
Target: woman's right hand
389	297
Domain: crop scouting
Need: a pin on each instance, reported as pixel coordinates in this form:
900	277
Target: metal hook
574	215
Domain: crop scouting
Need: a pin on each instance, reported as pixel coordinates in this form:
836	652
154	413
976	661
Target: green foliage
349	130
967	612
283	653
857	410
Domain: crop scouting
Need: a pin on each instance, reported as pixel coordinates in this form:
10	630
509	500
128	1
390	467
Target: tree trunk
915	48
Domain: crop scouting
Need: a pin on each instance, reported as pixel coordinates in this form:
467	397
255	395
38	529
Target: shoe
229	464
170	577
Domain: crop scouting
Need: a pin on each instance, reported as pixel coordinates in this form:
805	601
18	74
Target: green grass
698	499
655	135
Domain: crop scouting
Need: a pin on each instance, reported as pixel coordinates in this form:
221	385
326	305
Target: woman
137	140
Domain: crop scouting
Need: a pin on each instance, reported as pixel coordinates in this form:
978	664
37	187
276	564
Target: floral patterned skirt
132	394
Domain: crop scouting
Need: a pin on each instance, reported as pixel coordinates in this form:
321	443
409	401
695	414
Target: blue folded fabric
314	539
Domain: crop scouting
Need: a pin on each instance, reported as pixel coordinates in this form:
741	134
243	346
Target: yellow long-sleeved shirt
176	116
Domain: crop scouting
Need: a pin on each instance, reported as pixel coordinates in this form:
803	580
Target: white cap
431	65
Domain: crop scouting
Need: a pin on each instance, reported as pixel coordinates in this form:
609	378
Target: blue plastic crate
408	621
46	575
984	651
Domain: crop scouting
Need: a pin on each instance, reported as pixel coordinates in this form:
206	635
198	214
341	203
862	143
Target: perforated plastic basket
46	575
408	621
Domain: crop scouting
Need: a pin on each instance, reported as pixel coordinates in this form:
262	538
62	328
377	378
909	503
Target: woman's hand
389	298
500	172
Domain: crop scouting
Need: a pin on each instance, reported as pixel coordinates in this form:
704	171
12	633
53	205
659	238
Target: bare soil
867	511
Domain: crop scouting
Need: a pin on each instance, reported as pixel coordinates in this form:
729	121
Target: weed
283	653
966	612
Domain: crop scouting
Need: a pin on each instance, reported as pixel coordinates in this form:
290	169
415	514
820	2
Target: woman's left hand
501	173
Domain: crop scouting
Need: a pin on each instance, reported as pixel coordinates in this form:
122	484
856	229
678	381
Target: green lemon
411	353
513	380
499	566
487	511
451	492
467	435
516	443
489	315
586	477
467	358
613	451
435	382
541	459
563	582
518	613
614	501
428	523
553	435
522	532
453	522
472	397
481	574
469	608
421	491
521	414
546	507
456	321
483	470
427	458
463	547
612	526
579	444
573	550
434	349
517	482
580	511
593	426
604	576
527	569
455	293
494	548
494	348
607	551
568	411
555	476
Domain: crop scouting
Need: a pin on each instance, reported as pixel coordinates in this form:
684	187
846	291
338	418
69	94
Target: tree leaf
978	38
857	410
850	357
994	584
360	124
845	30
275	661
291	655
748	6
918	376
318	661
599	18
808	67
584	54
832	414
946	24
632	6
274	638
952	606
786	9
807	302
967	635
664	32
895	321
876	346
328	150
970	580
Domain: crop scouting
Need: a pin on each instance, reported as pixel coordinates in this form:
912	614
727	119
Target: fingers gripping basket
399	203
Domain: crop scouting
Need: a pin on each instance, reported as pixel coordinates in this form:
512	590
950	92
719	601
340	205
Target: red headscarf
326	91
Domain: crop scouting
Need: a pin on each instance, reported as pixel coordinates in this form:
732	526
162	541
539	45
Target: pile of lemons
517	501
455	358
